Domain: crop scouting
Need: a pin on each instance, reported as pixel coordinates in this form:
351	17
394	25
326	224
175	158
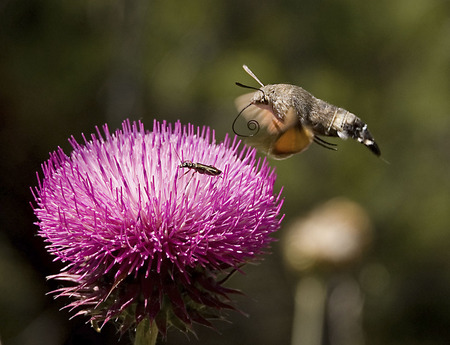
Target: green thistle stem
146	333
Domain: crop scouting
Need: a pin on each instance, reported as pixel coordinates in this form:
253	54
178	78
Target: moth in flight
290	119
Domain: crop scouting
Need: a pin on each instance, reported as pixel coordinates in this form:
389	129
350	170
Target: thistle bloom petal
143	238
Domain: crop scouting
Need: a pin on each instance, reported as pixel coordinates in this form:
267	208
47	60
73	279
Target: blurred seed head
334	234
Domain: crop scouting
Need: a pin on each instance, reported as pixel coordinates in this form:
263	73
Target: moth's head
260	99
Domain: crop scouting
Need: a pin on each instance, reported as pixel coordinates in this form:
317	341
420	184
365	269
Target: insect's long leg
186	173
187	184
326	144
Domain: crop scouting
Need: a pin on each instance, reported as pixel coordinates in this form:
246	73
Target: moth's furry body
293	115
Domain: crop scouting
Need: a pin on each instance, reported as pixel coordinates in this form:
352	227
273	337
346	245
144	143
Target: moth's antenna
251	74
251	125
248	87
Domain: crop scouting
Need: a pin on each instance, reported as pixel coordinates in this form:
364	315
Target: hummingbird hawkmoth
292	118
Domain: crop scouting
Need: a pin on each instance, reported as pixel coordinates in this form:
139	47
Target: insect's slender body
293	118
201	168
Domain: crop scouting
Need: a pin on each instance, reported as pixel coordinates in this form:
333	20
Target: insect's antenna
249	87
177	154
326	144
251	74
251	125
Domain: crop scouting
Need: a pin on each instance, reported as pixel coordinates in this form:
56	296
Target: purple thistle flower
143	238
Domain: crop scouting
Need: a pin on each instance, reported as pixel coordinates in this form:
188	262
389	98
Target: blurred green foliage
67	66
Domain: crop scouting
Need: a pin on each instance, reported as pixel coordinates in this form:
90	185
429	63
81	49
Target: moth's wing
277	139
295	138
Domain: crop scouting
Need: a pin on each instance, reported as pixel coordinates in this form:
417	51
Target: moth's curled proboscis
252	125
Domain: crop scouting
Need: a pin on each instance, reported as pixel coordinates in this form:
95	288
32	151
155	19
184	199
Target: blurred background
67	66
